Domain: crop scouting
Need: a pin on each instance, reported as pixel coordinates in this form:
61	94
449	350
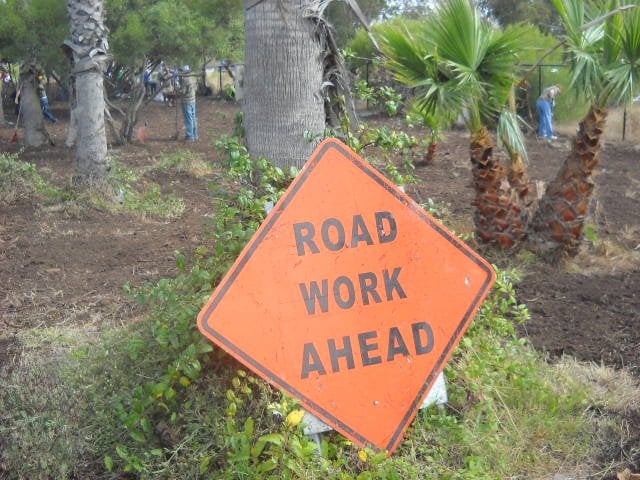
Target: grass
510	414
135	400
124	189
20	180
128	190
184	161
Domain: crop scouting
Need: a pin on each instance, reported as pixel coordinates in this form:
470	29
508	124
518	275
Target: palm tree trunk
498	215
559	222
91	151
88	47
283	82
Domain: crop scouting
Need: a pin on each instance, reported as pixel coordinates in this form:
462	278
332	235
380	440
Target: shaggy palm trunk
31	116
521	184
283	81
88	44
559	222
498	214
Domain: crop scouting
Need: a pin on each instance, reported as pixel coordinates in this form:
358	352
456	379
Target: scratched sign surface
349	297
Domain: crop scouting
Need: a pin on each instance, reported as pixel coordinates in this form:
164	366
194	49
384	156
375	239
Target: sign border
249	250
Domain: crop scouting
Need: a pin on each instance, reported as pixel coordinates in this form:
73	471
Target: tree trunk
283	81
91	151
30	111
88	46
559	221
131	114
498	214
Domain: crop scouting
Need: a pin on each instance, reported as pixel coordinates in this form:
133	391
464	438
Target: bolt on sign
350	297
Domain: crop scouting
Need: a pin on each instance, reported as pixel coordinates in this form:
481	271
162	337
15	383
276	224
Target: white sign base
438	395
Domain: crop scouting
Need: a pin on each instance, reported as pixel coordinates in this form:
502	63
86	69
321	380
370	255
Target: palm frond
406	56
510	135
623	74
457	61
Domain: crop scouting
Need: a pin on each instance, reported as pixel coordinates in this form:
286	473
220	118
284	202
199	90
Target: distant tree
536	12
408	8
31	32
146	32
345	23
35	134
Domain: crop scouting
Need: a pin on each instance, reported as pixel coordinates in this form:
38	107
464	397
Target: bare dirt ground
64	265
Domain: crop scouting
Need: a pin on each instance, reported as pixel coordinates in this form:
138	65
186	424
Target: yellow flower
363	455
295	417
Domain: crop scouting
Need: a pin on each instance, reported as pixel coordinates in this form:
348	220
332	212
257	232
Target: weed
383	95
184	161
125	189
20	179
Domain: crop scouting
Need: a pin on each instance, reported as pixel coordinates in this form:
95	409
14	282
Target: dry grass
608	257
615	125
617	390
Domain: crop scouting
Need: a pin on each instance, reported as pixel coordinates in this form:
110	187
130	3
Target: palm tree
605	61
283	79
88	47
461	65
293	72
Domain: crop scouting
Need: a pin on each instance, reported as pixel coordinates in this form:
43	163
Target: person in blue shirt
42	94
545	105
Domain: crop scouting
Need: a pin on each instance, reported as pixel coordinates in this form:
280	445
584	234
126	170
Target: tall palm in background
460	65
605	61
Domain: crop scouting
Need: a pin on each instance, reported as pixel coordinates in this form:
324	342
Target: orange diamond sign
350	297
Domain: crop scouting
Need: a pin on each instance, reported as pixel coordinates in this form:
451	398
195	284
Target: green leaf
205	347
108	463
249	427
204	465
138	436
267	466
275	438
170	394
122	452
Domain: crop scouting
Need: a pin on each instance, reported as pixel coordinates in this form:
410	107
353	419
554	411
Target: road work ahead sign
349	297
